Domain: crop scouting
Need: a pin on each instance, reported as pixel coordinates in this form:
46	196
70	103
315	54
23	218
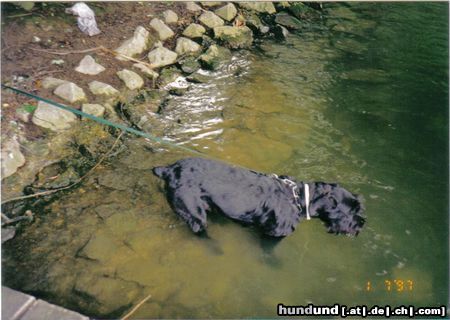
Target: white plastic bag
86	18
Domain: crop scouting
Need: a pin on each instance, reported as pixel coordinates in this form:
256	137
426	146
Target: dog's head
338	208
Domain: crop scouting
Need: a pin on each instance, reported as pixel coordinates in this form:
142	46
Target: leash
102	120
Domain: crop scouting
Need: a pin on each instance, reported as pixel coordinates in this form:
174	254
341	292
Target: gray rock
89	66
131	79
100	88
210	20
36	39
149	73
259	6
189	65
12	158
186	46
69	91
227	12
57	62
192	7
214	57
53	118
170	16
280	32
51	83
208	4
254	22
23	115
164	32
95	109
8	233
194	30
161	57
234	37
198	77
135	45
169	76
288	21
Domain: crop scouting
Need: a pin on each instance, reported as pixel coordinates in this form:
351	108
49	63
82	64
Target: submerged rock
189	65
12	158
186	46
215	57
69	91
89	66
51	83
95	109
53	118
131	79
164	32
136	45
161	57
227	12
149	73
198	77
234	37
288	21
194	30
169	75
259	6
170	16
100	88
280	32
210	20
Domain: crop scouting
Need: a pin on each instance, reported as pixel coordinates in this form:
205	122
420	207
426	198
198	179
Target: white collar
306	191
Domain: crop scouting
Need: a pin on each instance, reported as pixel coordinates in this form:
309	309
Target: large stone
94	109
51	83
288	21
164	32
259	6
161	57
194	30
12	158
135	45
208	4
192	7
69	91
199	77
104	89
234	37
170	16
210	20
53	118
189	65
149	73
215	57
254	22
89	66
186	46
131	79
227	12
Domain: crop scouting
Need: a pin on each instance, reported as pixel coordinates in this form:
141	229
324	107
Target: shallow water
359	97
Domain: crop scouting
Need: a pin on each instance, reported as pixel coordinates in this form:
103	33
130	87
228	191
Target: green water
359	97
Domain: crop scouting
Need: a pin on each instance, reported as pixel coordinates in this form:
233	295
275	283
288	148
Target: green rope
102	120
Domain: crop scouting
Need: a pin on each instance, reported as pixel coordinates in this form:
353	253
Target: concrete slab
14	303
44	310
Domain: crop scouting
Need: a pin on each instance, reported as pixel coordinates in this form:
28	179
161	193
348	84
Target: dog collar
306	191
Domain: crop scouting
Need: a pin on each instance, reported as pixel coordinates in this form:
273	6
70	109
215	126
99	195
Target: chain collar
294	188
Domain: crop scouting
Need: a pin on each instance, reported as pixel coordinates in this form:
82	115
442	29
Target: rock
161	57
149	73
164	32
55	175
100	247
192	7
194	30
100	88
234	37
280	32
170	16
58	62
168	76
89	66
131	79
23	115
300	10
95	109
254	22
135	45
8	233
51	83
53	118
36	39
208	4
189	65
117	180
281	5
186	46
210	20
288	21
198	77
69	91
227	12
259	6
214	57
12	158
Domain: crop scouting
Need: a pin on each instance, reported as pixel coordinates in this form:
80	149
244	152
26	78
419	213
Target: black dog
275	204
